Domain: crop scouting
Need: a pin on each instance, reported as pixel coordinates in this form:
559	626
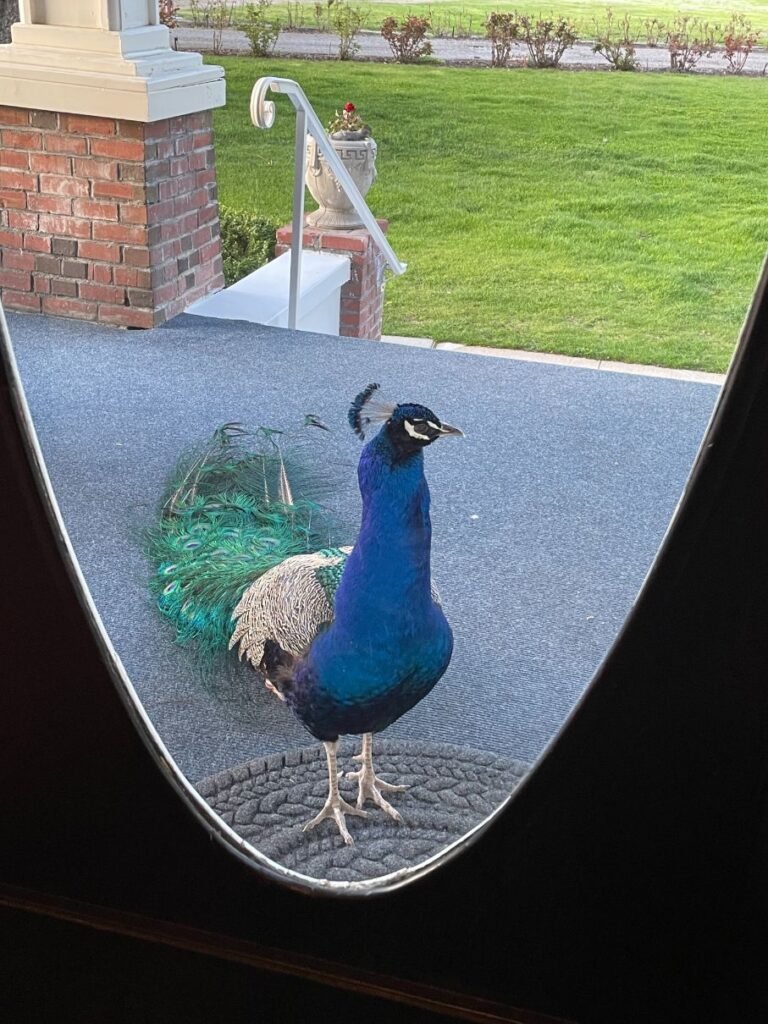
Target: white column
103	57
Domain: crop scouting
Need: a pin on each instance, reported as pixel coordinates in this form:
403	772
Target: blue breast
389	642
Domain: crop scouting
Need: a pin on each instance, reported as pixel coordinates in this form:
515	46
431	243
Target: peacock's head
410	426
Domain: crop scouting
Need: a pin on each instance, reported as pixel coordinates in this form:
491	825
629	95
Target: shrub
502	30
739	41
322	12
197	14
407	40
247	242
655	31
547	39
688	40
216	14
294	15
219	15
262	30
168	12
346	22
616	42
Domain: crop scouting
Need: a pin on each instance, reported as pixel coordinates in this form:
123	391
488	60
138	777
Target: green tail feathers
229	514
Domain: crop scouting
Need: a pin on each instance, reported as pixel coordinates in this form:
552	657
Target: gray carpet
546	517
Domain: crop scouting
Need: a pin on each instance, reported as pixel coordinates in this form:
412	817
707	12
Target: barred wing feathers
288	604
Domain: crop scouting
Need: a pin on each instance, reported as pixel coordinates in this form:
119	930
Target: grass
456	17
586	213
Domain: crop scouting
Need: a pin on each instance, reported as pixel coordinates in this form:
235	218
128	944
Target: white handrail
263	116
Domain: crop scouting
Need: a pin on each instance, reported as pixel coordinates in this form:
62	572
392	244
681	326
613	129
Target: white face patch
433	425
410	429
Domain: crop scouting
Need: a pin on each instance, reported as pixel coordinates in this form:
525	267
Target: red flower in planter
348	120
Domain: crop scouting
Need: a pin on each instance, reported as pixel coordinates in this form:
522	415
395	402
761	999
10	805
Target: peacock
350	638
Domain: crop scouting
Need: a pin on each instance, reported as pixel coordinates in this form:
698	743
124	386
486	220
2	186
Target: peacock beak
446	430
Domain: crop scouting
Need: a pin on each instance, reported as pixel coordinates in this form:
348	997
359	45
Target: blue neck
388	573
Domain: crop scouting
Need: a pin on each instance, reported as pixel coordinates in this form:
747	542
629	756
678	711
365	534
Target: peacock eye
410	427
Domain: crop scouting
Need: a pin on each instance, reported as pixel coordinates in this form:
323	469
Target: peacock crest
367	408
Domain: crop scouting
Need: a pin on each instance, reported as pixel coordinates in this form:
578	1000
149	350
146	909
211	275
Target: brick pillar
107	219
362	297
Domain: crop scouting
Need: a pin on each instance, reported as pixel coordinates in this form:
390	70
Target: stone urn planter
357	151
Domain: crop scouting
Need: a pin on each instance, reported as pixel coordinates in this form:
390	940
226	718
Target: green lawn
586	213
449	16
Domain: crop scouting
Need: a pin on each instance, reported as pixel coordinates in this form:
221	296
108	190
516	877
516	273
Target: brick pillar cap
357	240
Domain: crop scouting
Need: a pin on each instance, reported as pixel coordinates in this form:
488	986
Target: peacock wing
288	604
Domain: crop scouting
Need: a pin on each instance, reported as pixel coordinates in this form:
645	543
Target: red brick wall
362	297
105	219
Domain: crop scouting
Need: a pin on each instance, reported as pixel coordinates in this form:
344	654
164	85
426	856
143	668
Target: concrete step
262	296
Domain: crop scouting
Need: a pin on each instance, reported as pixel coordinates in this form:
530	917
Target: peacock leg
335	807
273	689
370	787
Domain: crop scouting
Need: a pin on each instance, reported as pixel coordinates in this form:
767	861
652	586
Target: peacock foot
335	807
370	787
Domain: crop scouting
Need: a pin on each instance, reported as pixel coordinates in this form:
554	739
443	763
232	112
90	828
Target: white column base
133	74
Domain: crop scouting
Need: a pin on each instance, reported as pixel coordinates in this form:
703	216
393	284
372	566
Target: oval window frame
735	383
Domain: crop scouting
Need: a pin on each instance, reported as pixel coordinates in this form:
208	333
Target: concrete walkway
553	359
472	51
